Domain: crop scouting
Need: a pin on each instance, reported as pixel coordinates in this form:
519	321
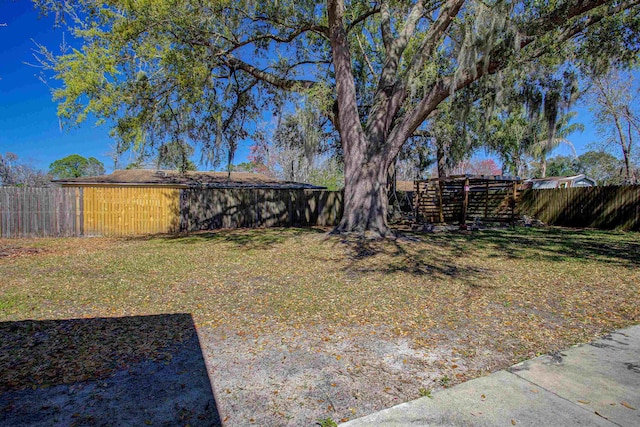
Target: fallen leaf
583	401
626	405
513	422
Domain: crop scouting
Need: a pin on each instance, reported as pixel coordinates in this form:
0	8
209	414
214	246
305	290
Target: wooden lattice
460	199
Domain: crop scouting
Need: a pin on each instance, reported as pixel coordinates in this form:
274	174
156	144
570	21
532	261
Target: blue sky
29	126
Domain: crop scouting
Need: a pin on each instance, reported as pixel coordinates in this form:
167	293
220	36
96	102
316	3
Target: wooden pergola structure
457	199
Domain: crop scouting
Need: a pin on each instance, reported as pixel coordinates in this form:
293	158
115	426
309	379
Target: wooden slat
37	212
485	199
122	211
613	207
206	209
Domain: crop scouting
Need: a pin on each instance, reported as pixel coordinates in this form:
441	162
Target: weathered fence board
40	212
208	209
596	207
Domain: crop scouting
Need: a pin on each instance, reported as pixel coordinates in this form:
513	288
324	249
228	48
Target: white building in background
580	180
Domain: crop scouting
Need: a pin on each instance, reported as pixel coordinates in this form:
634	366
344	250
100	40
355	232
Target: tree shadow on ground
400	255
559	244
142	370
416	253
249	238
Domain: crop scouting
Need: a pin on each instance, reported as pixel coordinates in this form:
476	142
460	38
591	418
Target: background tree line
16	172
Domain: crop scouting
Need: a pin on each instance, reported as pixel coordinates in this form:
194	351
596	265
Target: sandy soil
298	377
287	378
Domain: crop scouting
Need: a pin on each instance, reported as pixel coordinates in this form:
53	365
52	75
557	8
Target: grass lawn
297	325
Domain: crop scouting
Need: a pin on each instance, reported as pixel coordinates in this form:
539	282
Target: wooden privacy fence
206	209
117	211
460	199
40	212
596	207
123	211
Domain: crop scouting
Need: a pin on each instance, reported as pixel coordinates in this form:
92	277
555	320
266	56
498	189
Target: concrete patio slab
603	376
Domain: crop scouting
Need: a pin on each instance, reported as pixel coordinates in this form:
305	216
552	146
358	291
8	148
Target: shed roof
189	179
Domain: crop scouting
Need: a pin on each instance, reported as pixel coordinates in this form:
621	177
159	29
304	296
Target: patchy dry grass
364	324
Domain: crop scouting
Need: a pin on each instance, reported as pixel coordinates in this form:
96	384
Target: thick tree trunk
365	199
365	187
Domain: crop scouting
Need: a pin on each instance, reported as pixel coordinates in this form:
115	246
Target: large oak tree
202	71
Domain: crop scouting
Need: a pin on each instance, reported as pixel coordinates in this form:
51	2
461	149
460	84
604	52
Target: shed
130	202
580	180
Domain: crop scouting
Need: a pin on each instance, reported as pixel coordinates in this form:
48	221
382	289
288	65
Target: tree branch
366	57
288	39
385	26
576	28
362	18
427	47
321	29
435	33
447	85
350	126
272	79
377	125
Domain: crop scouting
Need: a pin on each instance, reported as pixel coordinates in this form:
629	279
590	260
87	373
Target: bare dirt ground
298	377
287	378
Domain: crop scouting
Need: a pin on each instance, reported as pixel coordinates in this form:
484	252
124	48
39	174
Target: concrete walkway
596	384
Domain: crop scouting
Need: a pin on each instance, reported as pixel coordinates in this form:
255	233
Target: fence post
440	202
416	200
514	201
465	201
486	199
